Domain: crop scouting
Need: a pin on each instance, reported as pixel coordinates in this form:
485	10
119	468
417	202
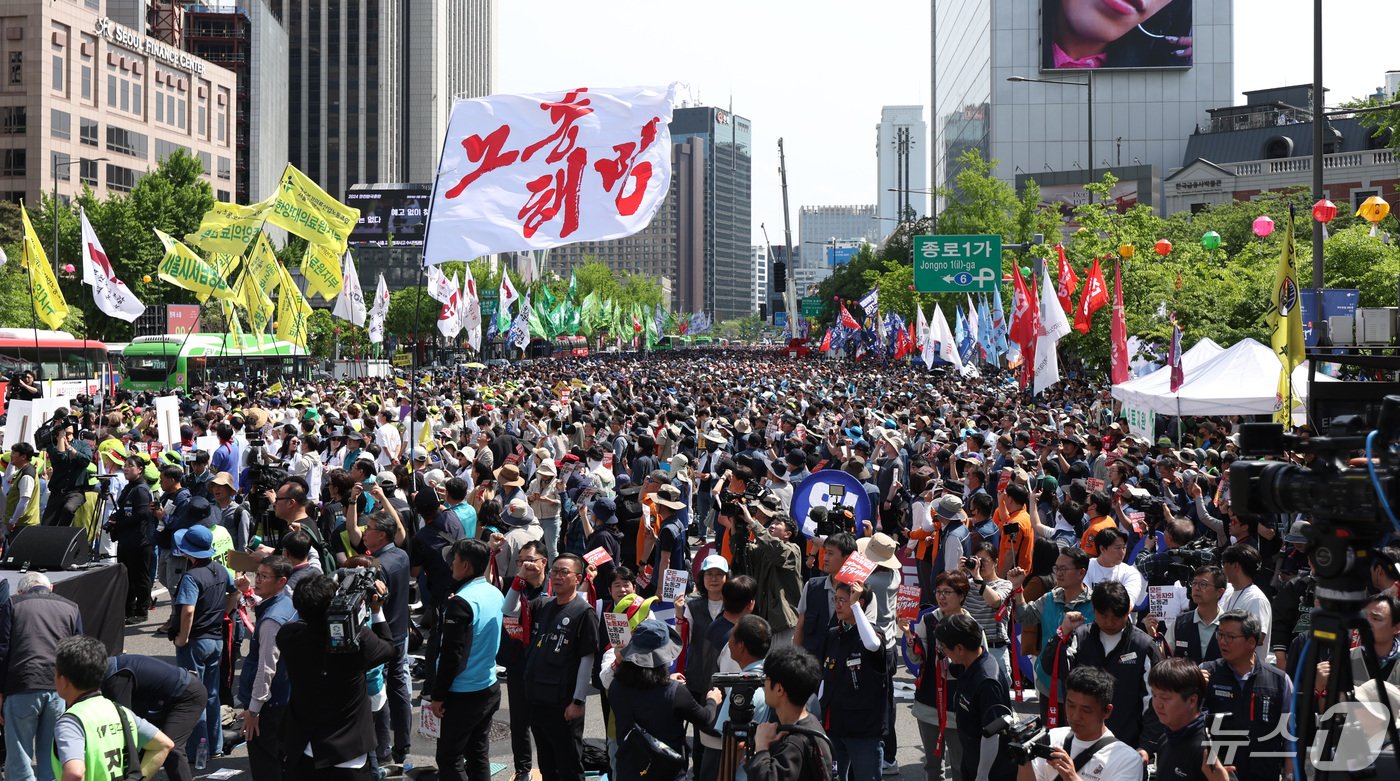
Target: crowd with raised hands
631	527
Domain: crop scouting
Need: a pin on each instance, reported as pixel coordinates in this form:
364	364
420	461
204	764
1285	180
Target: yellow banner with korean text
49	303
303	208
321	267
293	313
181	267
229	228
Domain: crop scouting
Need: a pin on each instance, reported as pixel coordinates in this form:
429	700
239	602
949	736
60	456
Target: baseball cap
714	561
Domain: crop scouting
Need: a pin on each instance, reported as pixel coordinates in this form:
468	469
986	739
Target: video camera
349	609
1026	739
47	434
742	687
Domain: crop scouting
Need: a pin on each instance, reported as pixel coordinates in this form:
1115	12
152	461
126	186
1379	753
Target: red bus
64	364
575	346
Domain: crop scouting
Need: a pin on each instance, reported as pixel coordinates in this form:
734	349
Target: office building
728	160
78	86
1142	116
760	275
671	248
1266	145
375	83
249	40
823	228
901	141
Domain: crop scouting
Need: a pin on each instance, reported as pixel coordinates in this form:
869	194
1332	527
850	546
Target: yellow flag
255	302
231	318
49	304
263	265
182	268
292	313
304	209
1285	320
229	228
224	264
321	267
275	387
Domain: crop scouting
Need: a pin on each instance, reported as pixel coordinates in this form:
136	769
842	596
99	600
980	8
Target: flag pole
418	299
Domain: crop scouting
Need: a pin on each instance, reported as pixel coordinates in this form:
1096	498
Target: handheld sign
597	557
619	634
907	603
673	584
856	569
1166	602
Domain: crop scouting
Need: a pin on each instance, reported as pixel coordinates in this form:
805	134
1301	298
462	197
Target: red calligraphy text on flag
563	113
552	193
614	170
486	151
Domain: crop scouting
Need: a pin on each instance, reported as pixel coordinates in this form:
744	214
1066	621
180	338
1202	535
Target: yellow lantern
1373	210
146	278
1126	251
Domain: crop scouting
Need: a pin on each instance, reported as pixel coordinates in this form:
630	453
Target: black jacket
31	625
329	706
132	518
1132	721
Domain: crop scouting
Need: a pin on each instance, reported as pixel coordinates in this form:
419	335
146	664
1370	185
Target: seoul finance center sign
957	264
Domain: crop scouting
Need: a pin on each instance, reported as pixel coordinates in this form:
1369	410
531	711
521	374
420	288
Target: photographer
130	527
23	388
329	730
791	677
776	563
978	692
69	481
1086	749
749	643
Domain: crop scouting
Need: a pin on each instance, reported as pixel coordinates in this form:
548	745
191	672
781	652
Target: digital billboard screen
398	211
1100	34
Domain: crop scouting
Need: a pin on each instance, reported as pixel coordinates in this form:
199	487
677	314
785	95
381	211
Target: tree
746	328
412	312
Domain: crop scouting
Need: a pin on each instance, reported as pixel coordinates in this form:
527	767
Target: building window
165	149
58	72
126	95
87	131
126	141
224	196
87	82
1359	197
12	162
111	90
203	120
120	179
87	171
16	68
182	105
62	123
204	163
160	108
225	168
136	106
61	163
13	120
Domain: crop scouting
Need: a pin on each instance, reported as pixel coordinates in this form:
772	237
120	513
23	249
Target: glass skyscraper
728	141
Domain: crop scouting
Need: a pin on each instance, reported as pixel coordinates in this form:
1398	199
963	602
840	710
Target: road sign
811	307
957	264
840	256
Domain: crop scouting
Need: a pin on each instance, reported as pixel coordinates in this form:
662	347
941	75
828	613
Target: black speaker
47	547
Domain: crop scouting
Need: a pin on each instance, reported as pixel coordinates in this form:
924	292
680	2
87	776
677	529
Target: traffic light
762	311
779	276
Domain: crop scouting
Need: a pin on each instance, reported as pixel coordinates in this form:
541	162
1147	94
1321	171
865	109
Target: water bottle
407	766
201	757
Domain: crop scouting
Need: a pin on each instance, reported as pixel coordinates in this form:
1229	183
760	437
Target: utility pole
787	232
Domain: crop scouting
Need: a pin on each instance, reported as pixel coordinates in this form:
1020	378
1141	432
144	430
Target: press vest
487	604
856	682
104	741
213	583
1254	705
1188	640
954	533
31	513
278	610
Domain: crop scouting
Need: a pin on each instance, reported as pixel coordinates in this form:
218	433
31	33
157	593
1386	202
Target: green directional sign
957	264
811	307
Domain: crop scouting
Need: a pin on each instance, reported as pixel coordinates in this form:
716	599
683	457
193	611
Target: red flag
1174	357
1069	281
1022	328
903	345
1119	331
1091	300
826	341
848	321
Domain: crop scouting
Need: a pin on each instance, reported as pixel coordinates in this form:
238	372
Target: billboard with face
1097	34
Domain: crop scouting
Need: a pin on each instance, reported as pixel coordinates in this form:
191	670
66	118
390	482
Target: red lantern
1324	210
1162	247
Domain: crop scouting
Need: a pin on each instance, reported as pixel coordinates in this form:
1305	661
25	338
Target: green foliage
1384	125
412	313
747	328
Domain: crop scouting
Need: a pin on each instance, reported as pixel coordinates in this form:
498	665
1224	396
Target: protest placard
619	634
673	584
856	569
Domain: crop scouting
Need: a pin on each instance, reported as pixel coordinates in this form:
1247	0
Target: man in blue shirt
228	456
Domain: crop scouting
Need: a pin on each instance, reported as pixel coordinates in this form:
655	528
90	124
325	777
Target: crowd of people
332	556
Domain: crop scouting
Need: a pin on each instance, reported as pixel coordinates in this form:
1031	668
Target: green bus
174	361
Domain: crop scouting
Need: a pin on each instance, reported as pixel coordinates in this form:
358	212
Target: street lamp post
1088	84
57	165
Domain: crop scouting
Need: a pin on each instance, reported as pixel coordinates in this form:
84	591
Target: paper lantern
1373	210
68	268
1162	247
1263	225
1324	210
1210	240
146	278
1126	251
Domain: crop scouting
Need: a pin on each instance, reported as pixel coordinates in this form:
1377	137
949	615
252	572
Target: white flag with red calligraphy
379	311
110	293
450	318
471	313
523	172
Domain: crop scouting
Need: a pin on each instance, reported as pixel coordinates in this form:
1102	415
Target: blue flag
1000	328
985	338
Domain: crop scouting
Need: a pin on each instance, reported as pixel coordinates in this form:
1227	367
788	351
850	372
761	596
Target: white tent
1241	380
1134	392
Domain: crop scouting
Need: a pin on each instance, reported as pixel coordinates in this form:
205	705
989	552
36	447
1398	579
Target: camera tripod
1332	624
